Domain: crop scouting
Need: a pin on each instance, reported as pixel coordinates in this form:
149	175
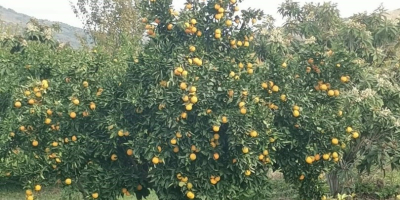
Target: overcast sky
60	10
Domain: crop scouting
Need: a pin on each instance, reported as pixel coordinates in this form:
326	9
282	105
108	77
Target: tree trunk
333	182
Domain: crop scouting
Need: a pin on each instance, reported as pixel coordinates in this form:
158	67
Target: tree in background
366	48
111	24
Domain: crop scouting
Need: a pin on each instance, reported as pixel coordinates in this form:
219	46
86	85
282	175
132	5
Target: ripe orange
139	187
189	107
68	181
192	48
349	129
215	128
247	173
194	99
216	156
173	141
47	121
38	187
296	113
72	115
323	87
335	141
243	111
224	119
170	26
336	93
155	160
31	101
184	115
275	88
190	195
253	134
325	156
283	97
192	156
35	143
129	152
309	160
355	135
192	89
18	104
331	93
264	85
114	157
85	84
183	86
245	150
213	181
301	177
185	98
95	195
335	155
92	106
54	144
75	101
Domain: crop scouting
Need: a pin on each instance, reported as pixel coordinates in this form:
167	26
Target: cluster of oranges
190	28
326	87
35	97
354	134
189	186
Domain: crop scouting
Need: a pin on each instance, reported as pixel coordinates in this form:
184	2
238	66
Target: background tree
111	24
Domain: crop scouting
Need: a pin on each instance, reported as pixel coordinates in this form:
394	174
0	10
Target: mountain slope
66	34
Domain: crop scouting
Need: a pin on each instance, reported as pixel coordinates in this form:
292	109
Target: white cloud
60	10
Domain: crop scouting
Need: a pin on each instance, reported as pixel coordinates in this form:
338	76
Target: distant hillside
394	14
67	33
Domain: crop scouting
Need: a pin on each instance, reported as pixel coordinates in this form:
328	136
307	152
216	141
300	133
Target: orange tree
187	119
60	106
194	96
323	69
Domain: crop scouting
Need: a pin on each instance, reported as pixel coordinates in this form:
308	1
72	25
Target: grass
373	186
12	192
